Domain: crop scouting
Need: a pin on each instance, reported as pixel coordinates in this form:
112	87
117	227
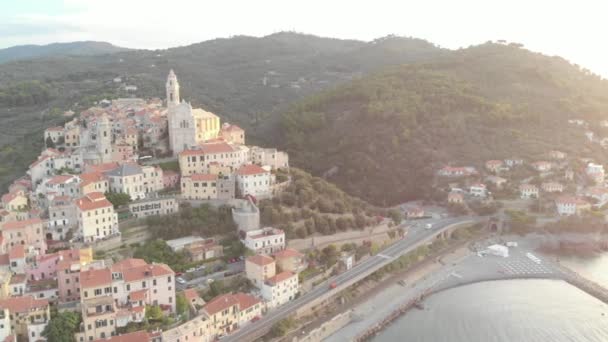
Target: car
255	319
179	274
181	280
191	269
210	280
200	268
429	226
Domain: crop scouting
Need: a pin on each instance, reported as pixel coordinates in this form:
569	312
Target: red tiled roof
260	259
138	269
21	224
220	303
18	279
96	278
287	253
281	277
23	304
127	264
6	198
246	301
250	169
190	295
138	295
4	260
202	177
94	200
59	179
91	177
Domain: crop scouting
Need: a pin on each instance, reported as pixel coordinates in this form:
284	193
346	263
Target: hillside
245	80
57	49
388	133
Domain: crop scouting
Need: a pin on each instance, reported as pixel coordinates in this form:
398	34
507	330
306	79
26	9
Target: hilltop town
103	168
95	229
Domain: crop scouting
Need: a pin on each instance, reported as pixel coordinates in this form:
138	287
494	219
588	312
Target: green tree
118	199
181	305
154	313
49	142
62	326
395	215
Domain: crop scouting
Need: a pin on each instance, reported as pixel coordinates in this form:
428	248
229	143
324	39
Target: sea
510	311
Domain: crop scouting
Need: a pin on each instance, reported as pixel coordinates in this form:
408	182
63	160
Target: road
233	268
412	240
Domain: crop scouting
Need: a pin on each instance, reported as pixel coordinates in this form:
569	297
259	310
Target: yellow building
207	125
230	311
14	201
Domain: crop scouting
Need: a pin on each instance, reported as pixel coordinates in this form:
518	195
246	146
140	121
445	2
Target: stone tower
172	87
104	139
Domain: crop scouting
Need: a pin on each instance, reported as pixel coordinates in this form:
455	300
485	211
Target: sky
575	30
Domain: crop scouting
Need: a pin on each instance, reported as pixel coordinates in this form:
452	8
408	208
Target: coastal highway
416	236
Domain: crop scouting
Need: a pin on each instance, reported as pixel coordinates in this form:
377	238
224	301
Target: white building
96	217
179	244
253	180
478	190
128	179
280	289
265	241
595	172
152	206
269	157
528	191
571	205
498	250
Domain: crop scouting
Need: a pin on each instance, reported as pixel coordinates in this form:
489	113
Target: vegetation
62	326
202	221
159	251
520	222
388	133
118	199
282	327
311	205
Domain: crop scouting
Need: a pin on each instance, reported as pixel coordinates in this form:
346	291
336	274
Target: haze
572	29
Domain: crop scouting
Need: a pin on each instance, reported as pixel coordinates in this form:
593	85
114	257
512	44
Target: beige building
128	179
28	316
290	260
280	289
96	217
228	312
29	233
15	201
199	160
199	187
233	134
258	268
269	157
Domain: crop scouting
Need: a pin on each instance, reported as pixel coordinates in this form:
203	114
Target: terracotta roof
202	177
94	200
59	179
21	224
138	269
287	253
23	304
230	127
17	252
566	199
250	169
279	278
102	167
40	160
6	198
138	295
128	263
56	128
246	301
91	177
96	278
220	303
190	295
260	260
137	336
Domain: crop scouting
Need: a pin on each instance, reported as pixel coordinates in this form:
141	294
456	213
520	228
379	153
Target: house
254	180
230	311
557	155
498	182
280	289
269	157
494	165
455	197
198	329
450	171
571	205
194	299
136	336
528	191
199	186
511	162
232	134
478	190
258	268
542	166
265	241
569	174
63	217
96	217
153	206
93	182
28	316
15	201
598	193
204	250
29	233
55	134
290	260
595	172
128	179
552	187
197	161
414	212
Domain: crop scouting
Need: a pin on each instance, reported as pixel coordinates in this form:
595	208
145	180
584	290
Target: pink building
45	266
170	179
29	233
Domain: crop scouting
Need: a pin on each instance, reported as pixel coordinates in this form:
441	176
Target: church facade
188	127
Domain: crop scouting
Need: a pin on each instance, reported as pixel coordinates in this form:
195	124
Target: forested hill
388	133
245	80
57	49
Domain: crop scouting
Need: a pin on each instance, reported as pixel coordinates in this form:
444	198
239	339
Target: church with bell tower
188	127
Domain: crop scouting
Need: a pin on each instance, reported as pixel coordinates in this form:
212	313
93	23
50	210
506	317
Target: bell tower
172	87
